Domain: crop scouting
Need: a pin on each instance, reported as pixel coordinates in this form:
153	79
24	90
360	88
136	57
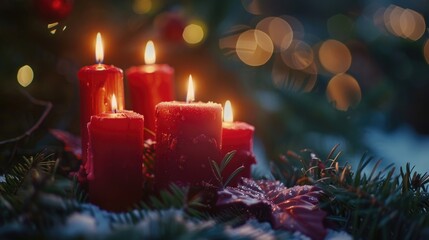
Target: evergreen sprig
218	169
381	205
177	198
24	192
24	171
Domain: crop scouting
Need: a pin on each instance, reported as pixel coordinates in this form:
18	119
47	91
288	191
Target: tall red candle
97	84
115	158
237	136
149	85
188	136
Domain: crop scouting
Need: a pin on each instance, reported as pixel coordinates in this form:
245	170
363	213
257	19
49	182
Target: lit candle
149	85
188	137
237	136
97	84
115	158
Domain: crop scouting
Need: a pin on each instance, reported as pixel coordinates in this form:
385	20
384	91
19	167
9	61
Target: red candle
115	157
188	137
149	85
237	136
97	84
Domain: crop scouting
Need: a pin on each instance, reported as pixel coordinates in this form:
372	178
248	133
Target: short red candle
237	136
188	137
149	85
115	158
97	84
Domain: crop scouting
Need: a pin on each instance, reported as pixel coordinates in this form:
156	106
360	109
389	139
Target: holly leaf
291	209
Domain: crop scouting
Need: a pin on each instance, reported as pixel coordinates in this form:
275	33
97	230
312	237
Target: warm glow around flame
149	53
227	112
99	52
190	97
114	103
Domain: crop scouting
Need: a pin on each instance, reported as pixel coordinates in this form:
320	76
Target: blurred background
306	74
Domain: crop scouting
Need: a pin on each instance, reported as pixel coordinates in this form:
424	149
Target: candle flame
190	97
99	52
149	53
227	114
114	103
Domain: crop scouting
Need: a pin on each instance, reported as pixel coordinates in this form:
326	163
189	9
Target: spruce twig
382	204
175	197
219	169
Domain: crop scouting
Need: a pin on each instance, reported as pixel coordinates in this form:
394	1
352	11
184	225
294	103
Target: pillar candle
97	84
149	85
115	158
237	136
188	137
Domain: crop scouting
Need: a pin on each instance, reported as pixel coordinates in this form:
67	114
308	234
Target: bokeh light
391	19
278	29
51	25
193	33
405	23
25	75
426	51
334	56
299	55
412	24
228	43
254	47
142	6
343	91
252	6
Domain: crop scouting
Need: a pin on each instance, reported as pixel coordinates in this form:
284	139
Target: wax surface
238	136
115	158
150	85
97	85
188	137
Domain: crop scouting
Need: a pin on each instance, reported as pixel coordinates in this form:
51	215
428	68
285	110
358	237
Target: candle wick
114	110
100	66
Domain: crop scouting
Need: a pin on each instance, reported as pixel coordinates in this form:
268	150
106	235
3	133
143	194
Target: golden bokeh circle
193	33
426	51
25	75
254	47
278	29
343	91
334	56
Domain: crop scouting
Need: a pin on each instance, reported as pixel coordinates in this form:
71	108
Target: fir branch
379	205
218	169
226	160
78	192
15	177
233	175
175	197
